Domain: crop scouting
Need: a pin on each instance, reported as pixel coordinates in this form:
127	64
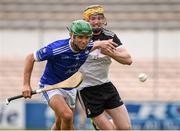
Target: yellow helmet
90	10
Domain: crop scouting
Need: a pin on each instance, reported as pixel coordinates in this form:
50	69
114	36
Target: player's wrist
97	45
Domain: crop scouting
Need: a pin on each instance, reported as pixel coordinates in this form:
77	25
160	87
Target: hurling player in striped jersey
97	94
64	58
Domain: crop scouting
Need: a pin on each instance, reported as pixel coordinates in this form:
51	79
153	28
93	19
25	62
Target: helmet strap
105	21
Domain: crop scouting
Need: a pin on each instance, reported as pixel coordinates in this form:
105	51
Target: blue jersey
62	61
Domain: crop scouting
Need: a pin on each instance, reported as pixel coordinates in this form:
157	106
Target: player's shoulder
59	43
108	32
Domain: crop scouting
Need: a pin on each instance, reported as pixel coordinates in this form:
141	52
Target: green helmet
80	28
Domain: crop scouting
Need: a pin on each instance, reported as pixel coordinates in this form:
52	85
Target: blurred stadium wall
150	29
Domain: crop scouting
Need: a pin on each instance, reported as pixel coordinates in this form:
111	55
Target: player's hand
113	43
105	45
108	47
26	92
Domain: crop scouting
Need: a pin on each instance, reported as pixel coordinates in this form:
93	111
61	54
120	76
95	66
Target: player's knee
124	127
67	116
128	127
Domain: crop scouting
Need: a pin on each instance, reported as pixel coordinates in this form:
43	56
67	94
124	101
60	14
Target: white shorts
69	95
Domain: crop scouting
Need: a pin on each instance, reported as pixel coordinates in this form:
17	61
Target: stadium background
150	29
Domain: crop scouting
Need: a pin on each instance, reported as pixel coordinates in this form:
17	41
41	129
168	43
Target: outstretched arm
29	64
104	45
108	47
120	54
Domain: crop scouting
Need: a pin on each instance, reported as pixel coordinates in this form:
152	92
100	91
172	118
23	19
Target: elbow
30	57
129	62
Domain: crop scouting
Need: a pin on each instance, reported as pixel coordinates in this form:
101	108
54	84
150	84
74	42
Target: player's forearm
29	63
104	45
96	45
121	55
122	58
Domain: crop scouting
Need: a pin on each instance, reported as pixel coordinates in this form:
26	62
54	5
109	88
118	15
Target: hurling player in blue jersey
64	58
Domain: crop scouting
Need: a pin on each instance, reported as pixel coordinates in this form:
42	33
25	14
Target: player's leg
57	124
102	122
116	109
70	98
56	100
64	113
46	96
93	100
120	117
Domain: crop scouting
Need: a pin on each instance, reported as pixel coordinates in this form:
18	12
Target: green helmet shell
80	28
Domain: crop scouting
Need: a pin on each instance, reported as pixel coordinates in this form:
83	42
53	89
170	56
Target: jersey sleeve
117	40
43	54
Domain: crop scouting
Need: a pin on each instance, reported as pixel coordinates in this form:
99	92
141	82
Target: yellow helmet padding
92	10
